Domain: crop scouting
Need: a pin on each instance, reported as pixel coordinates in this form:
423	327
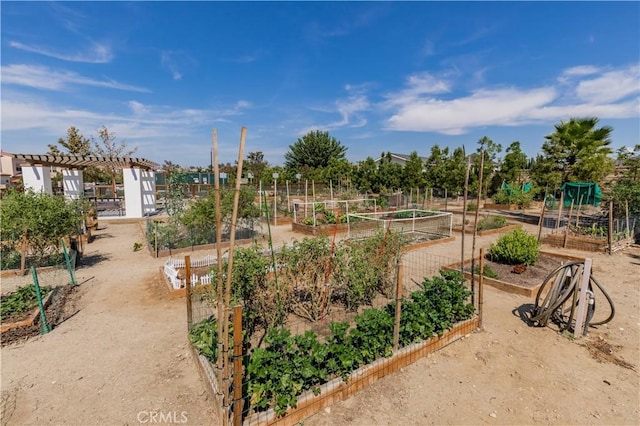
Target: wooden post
445	199
610	233
560	210
626	207
306	196
187	286
288	199
579	329
475	226
578	211
313	189
566	229
541	220
481	289
331	189
464	213
396	327
227	296
218	218
237	365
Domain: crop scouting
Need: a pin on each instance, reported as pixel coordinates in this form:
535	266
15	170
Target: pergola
138	173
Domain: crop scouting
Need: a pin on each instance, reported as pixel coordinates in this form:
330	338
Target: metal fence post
480	289
45	327
67	260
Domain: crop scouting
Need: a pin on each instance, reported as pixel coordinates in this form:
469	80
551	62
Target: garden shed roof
74	161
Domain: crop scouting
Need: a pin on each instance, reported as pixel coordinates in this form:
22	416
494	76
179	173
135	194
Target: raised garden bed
27	314
469	229
526	283
585	243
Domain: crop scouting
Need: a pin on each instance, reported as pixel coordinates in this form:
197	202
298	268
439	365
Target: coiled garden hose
564	282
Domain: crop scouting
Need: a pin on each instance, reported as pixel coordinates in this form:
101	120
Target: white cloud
580	70
40	77
350	110
610	86
416	108
482	108
98	53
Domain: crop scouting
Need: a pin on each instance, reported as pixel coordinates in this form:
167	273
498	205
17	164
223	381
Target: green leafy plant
137	246
21	301
204	337
492	222
487	271
289	365
472	206
517	247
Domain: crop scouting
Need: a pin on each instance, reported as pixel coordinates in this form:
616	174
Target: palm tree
579	150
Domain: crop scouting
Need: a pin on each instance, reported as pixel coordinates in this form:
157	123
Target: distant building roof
399	157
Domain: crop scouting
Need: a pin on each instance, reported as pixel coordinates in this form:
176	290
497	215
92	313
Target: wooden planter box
469	229
577	243
337	389
494	206
30	320
505	285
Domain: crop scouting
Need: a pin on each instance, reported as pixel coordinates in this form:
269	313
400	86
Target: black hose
564	288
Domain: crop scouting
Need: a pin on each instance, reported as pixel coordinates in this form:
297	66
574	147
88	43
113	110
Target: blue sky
378	76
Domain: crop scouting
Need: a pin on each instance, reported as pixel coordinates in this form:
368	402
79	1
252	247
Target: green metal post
45	328
69	267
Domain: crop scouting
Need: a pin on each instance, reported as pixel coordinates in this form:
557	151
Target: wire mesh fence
588	228
301	360
419	224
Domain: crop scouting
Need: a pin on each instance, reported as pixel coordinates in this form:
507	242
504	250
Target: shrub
492	222
472	206
515	248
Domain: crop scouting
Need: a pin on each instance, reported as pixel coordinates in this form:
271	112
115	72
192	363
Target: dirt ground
122	356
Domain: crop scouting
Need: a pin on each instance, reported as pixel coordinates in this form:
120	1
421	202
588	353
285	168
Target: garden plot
329	321
419	226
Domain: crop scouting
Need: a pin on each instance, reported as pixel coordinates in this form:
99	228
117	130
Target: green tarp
581	193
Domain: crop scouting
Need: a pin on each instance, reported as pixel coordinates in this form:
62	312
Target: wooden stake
560	210
578	211
464	212
566	229
232	241
475	226
541	220
626	207
237	365
481	288
219	284
610	233
288	199
187	285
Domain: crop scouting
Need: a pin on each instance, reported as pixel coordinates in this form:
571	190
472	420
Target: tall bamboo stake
610	231
560	210
475	226
220	304
464	212
541	220
626	207
481	289
306	196
288	199
232	241
313	188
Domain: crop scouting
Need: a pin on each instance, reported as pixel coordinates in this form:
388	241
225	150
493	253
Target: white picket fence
171	267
